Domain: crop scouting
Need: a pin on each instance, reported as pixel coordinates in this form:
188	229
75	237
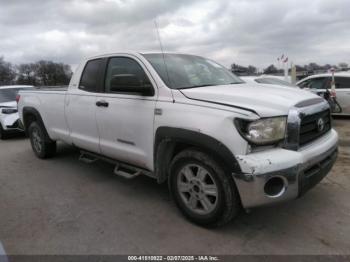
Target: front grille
311	126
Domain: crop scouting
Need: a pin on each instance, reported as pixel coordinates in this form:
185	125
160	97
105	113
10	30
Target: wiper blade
235	83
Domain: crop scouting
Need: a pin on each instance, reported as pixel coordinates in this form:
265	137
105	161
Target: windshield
189	71
8	94
273	81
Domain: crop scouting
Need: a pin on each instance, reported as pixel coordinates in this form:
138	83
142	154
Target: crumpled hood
11	104
267	100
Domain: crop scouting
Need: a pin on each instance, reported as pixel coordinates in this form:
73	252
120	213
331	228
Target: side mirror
129	83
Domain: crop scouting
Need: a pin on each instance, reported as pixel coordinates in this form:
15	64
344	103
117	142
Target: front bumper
11	123
294	172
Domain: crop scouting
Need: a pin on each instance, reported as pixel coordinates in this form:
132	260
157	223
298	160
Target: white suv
321	82
9	119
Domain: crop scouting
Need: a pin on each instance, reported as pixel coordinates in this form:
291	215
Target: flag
282	56
285	60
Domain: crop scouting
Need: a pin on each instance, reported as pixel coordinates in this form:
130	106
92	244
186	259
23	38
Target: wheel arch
30	114
169	141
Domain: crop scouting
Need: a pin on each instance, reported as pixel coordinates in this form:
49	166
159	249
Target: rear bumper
278	175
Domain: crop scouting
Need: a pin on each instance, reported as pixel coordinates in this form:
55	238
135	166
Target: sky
229	31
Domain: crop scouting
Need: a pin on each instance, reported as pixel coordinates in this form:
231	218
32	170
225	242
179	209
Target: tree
313	67
271	69
27	74
53	74
239	70
300	68
242	70
7	72
343	65
44	72
252	70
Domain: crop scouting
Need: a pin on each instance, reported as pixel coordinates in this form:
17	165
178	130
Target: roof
133	53
16	86
345	74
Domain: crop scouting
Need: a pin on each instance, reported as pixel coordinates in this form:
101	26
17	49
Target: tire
42	145
3	135
194	176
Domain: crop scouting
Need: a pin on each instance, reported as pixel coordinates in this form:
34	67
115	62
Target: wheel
2	133
42	145
202	190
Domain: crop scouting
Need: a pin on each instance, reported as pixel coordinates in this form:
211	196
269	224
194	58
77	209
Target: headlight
263	131
9	111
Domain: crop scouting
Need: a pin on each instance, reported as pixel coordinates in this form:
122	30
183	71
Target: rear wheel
42	145
203	191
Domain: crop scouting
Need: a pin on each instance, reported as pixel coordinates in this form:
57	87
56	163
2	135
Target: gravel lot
63	206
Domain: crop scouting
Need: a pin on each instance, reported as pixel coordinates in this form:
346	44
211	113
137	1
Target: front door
125	117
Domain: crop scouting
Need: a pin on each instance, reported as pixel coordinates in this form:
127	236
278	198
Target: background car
9	119
322	82
266	79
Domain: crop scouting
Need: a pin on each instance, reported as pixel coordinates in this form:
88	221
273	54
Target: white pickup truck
220	143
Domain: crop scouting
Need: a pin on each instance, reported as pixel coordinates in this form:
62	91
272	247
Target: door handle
102	103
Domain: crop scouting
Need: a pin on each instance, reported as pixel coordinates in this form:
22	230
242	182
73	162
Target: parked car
267	80
219	142
320	83
9	118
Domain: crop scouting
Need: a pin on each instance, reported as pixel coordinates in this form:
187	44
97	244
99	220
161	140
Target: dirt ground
63	206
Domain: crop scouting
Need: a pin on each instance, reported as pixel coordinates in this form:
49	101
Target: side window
89	80
317	83
342	82
305	84
125	75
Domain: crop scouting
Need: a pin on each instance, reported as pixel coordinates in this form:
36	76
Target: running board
127	171
87	158
121	169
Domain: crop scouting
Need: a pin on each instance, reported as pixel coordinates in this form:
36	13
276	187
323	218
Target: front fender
167	137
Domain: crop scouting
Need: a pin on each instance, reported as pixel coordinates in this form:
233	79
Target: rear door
343	93
81	107
126	119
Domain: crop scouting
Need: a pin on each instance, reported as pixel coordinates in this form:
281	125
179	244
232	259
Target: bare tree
271	69
343	65
44	72
27	74
7	72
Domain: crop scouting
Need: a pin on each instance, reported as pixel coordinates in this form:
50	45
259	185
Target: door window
304	84
317	83
90	77
125	75
342	82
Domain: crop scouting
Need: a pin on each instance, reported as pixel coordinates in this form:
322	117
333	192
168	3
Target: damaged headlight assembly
265	131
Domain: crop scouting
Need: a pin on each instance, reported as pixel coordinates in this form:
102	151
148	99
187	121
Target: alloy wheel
197	189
